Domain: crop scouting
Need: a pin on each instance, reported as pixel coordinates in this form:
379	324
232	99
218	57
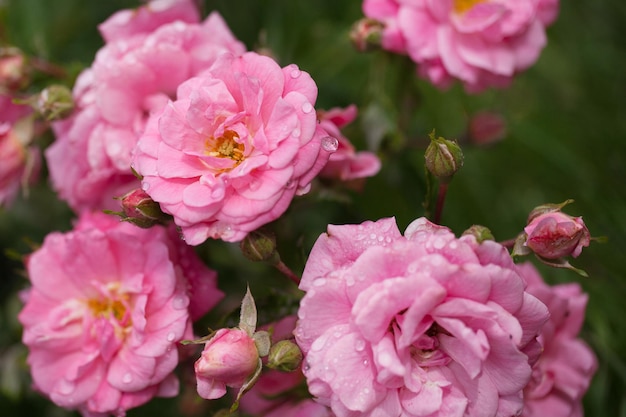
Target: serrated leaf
248	315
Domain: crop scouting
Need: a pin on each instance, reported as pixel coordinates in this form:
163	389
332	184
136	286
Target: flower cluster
482	43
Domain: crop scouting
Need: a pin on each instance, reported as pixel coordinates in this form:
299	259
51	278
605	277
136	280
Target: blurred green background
566	121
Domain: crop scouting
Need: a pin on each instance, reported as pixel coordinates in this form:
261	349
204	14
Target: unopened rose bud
54	103
366	34
481	233
443	157
554	235
260	246
139	208
486	128
229	358
284	356
14	73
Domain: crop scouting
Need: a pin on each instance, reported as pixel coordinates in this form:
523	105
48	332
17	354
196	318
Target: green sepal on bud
260	246
54	103
481	233
443	157
140	209
547	208
284	356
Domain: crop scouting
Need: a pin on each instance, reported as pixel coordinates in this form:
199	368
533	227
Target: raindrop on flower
359	345
320	282
295	73
290	184
127	378
318	344
171	336
307	107
145	186
296	133
180	302
330	144
66	387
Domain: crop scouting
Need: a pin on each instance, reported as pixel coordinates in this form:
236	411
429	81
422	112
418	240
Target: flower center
461	6
225	146
112	306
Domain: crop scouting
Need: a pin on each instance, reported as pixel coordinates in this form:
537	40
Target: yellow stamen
225	146
461	6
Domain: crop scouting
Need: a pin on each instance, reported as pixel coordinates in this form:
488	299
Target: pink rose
229	154
423	324
108	305
555	234
564	370
20	161
345	163
482	43
148	54
229	358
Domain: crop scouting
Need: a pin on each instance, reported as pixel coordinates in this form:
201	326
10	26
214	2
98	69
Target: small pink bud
229	358
554	235
486	128
366	34
139	209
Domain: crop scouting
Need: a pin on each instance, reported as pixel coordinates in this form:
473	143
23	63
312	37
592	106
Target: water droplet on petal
180	302
330	144
307	107
66	387
296	133
366	362
319	282
290	184
127	378
171	336
145	186
318	344
295	73
254	185
359	345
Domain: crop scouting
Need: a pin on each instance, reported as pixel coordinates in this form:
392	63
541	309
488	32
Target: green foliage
566	139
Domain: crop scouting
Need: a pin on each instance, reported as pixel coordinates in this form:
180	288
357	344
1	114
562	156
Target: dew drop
290	184
145	186
330	144
319	282
254	185
307	107
127	378
366	362
66	387
180	302
171	336
373	236
453	245
439	243
318	344
381	238
296	133
295	73
359	345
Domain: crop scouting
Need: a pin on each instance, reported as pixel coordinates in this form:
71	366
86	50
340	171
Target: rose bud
229	359
284	356
443	157
553	235
55	102
14	74
486	128
139	209
366	34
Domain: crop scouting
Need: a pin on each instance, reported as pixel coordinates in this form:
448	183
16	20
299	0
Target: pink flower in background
229	154
229	358
423	324
108	304
149	52
482	43
345	163
20	162
555	234
564	370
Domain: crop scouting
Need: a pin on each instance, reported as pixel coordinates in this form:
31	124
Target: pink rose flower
555	234
482	43
148	54
108	305
345	163
423	324
564	370
20	161
229	358
229	154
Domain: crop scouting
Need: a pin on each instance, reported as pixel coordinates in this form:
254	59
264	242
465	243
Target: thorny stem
280	265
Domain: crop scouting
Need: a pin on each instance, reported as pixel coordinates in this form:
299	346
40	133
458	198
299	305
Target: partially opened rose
148	53
108	304
423	324
234	148
482	43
